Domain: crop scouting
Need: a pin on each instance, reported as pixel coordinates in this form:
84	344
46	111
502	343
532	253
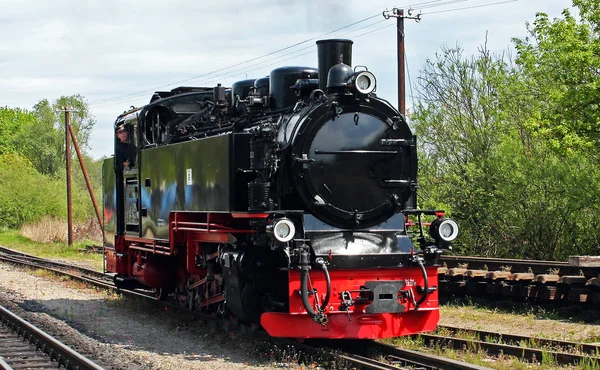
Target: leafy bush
26	195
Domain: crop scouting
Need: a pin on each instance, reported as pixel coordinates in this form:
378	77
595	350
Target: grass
14	240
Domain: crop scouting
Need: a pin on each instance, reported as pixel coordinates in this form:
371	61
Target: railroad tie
521	276
546	287
547	279
498	275
594	285
457	271
476	274
574	288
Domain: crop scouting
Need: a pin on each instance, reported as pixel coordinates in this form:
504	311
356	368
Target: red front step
361	326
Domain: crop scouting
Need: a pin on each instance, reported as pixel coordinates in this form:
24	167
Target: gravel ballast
125	333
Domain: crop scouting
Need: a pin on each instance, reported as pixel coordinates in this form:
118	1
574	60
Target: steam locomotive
283	201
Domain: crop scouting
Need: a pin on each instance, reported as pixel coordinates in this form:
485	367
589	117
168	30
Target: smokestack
332	52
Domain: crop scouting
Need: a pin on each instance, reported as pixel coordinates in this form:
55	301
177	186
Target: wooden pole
85	175
68	160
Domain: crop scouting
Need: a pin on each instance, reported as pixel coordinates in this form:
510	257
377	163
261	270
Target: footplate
385	296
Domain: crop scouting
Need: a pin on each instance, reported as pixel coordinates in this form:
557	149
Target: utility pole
68	160
401	78
85	175
399	15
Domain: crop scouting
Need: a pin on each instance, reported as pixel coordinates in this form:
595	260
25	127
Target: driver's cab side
126	171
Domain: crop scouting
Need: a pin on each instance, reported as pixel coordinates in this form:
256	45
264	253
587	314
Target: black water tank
332	52
241	89
262	86
282	79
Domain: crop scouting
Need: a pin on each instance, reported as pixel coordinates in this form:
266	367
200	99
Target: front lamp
363	82
444	230
282	229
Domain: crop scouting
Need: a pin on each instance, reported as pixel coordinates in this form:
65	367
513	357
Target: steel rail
488	336
100	283
424	359
518	265
365	362
8	251
360	352
526	353
58	351
4	365
412	356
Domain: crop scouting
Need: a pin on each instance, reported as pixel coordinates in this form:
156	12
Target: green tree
43	140
559	65
459	124
483	159
12	123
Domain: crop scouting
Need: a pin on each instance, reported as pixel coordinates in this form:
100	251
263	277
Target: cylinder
241	89
281	82
218	93
261	85
332	52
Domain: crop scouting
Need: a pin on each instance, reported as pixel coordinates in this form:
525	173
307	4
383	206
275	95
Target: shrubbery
508	146
26	195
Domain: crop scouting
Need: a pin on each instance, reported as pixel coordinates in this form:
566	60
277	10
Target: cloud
106	49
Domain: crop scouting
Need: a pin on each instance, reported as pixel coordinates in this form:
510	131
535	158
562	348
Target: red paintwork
195	235
249	215
299	325
375	326
151	274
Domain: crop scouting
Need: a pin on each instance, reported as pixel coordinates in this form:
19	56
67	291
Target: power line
100	102
235	65
450	2
227	71
293	55
471	7
409	81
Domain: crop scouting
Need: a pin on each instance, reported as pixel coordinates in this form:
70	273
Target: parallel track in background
523	347
7	252
23	346
391	357
522	280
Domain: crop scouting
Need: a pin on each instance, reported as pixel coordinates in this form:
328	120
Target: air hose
319	316
426	283
321	262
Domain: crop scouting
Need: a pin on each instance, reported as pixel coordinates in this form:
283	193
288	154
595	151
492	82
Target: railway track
392	356
523	347
533	281
23	346
7	252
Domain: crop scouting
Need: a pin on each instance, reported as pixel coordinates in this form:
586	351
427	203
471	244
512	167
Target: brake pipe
426	283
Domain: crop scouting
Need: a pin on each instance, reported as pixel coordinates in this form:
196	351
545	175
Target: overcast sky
115	53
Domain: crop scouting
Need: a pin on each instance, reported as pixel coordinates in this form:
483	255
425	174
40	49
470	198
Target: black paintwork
282	79
109	202
198	175
332	52
340	165
348	161
241	89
